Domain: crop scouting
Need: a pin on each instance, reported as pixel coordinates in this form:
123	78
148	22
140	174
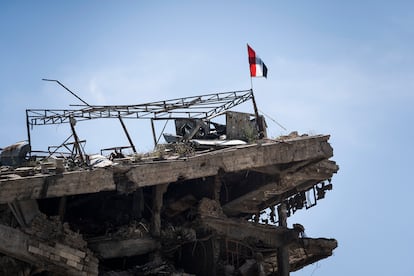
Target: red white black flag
257	67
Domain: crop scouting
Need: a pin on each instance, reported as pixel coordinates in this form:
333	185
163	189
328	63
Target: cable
273	120
317	267
67	89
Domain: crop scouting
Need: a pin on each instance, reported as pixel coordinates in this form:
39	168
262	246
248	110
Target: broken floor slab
185	194
254	156
116	248
212	217
56	185
303	252
277	190
268	235
239	158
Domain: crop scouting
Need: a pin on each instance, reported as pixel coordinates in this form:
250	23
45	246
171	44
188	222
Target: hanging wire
273	120
318	265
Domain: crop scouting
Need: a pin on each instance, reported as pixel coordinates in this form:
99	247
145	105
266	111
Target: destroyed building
212	201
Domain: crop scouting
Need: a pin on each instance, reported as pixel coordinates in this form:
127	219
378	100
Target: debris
99	161
193	206
14	155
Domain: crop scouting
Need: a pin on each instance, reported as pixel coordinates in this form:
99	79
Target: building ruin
212	201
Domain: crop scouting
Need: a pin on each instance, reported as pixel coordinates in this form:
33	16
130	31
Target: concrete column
157	197
283	251
138	204
217	187
62	208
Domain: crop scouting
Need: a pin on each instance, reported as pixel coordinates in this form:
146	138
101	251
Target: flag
257	67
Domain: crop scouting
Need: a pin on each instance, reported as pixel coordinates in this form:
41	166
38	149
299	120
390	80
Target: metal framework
203	106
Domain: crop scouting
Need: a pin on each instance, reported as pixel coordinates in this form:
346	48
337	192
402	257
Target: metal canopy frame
203	106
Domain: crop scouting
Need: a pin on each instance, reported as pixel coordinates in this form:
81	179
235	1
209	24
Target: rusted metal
203	106
127	134
153	133
77	146
258	120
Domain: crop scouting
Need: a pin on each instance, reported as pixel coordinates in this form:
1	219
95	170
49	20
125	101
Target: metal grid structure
204	106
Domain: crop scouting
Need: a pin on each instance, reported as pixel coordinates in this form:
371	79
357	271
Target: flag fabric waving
257	67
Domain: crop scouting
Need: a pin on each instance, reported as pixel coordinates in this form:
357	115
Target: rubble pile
52	229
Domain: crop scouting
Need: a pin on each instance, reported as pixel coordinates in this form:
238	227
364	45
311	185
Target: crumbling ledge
271	236
303	252
148	174
233	159
57	185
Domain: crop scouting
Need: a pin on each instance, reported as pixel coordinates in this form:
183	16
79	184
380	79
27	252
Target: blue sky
343	68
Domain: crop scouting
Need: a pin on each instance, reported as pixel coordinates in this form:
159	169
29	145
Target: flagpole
256	112
259	123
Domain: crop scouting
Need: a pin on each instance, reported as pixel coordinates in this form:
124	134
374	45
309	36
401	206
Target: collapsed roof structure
212	201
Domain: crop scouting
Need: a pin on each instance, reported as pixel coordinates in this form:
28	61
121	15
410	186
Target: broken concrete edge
238	160
230	160
303	252
269	238
211	216
46	186
116	248
150	174
268	235
301	179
